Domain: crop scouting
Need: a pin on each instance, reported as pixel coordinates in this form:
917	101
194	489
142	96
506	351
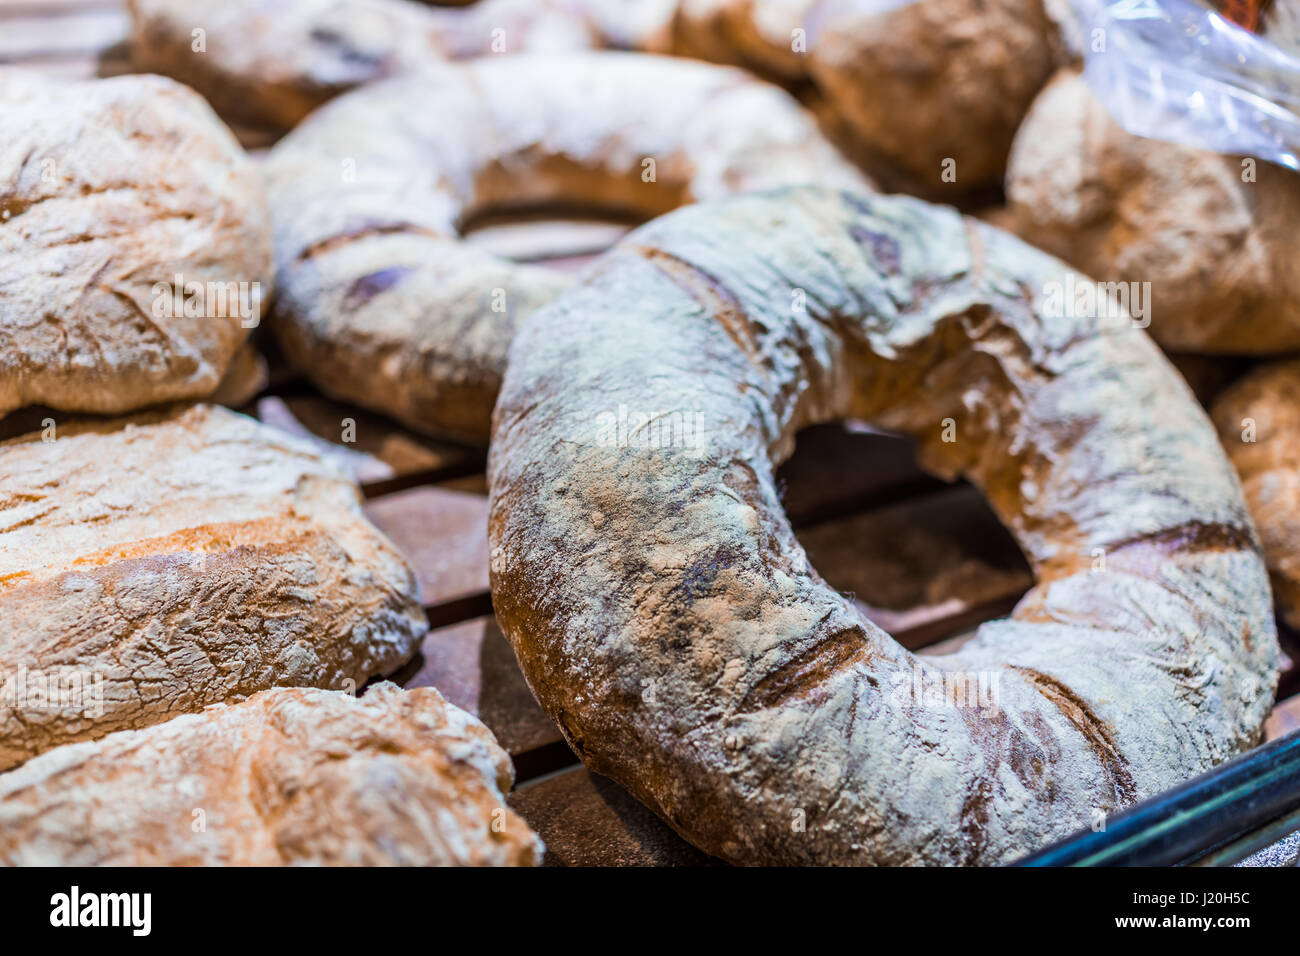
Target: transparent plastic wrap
1180	71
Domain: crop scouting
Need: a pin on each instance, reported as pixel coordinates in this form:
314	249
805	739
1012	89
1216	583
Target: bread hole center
925	559
564	237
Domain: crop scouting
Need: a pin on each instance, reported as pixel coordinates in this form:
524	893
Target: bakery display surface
770	476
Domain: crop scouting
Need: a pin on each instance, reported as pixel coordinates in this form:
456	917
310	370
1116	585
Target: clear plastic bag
1176	70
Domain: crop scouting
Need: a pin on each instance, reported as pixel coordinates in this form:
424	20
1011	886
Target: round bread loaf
271	62
667	618
1205	238
934	89
289	776
135	248
1258	419
154	565
382	302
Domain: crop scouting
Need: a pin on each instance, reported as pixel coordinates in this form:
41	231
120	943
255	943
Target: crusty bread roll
666	616
935	82
271	62
289	776
109	191
246	377
757	34
929	88
154	565
1211	234
381	301
1258	419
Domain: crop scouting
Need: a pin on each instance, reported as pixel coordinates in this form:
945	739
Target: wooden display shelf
926	560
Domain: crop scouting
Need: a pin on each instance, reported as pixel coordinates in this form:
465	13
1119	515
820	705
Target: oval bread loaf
1205	239
934	89
667	618
1258	419
135	247
153	565
289	776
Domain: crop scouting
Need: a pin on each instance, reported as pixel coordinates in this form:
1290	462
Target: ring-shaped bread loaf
383	303
666	616
271	62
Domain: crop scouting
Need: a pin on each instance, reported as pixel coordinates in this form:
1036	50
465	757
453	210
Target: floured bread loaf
247	375
290	776
934	89
668	619
153	565
135	248
1208	237
382	301
1258	419
271	62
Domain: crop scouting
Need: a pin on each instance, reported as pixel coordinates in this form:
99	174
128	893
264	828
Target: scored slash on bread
153	565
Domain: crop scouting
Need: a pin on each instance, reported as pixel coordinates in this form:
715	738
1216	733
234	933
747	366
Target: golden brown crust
244	380
935	83
151	566
1211	234
912	86
109	190
381	301
1258	419
290	776
667	618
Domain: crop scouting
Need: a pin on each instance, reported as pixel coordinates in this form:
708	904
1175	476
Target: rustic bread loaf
153	565
1211	234
383	303
289	776
109	191
1258	419
246	377
934	90
667	618
271	62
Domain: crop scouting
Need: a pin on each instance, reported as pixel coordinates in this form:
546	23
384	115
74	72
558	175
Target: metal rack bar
1221	816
